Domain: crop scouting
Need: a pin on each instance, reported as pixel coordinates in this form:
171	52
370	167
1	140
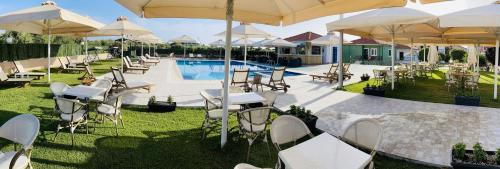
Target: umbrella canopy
184	39
243	42
433	54
284	12
476	23
47	19
279	43
218	43
389	23
471	55
261	42
328	39
246	31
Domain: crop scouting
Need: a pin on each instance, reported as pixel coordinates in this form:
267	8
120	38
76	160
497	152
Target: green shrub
497	156
479	153
459	151
458	54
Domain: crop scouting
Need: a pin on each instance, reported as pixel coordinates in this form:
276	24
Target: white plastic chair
365	133
22	129
287	129
58	88
72	114
253	123
246	166
270	97
111	110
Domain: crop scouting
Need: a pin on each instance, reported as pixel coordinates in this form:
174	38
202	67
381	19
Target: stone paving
419	131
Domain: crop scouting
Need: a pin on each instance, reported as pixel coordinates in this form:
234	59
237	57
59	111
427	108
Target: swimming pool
214	70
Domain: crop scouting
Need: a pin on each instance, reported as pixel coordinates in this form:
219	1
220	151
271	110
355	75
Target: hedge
10	52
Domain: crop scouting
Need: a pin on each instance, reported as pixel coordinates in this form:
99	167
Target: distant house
378	52
305	50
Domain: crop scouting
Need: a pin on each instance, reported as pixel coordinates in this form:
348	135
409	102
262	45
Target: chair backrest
89	71
333	70
126	62
171	55
63	65
210	102
68	59
58	88
103	83
19	67
118	76
346	67
3	76
286	129
191	55
270	97
116	100
240	75
255	119
278	74
68	106
365	132
143	58
22	129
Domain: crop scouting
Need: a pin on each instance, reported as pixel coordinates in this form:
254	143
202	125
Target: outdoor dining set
404	73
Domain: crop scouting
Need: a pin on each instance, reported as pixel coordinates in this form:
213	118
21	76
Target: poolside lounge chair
89	74
69	69
18	81
71	64
132	64
347	74
240	78
191	55
20	72
121	84
331	75
199	56
23	130
146	61
277	80
130	68
152	57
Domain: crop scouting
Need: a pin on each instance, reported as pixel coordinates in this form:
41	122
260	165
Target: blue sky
106	11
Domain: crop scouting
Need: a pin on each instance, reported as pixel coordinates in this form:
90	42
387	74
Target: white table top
238	98
324	152
83	92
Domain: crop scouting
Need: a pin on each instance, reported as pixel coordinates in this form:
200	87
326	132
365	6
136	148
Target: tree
490	55
458	54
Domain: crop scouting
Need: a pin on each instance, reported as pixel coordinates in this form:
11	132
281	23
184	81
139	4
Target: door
366	53
401	56
334	55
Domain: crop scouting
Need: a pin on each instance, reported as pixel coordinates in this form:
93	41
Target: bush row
10	52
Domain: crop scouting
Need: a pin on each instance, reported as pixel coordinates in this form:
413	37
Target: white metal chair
472	82
213	113
58	88
287	129
73	113
450	81
270	97
246	166
365	133
102	83
253	123
22	129
111	109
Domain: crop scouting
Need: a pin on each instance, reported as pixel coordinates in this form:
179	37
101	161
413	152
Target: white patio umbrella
246	31
284	12
219	44
472	56
122	27
476	23
148	38
184	39
388	23
244	42
433	54
328	40
279	43
47	19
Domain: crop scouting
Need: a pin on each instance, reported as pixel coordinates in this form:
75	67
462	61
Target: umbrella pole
340	67
245	57
86	48
149	48
227	59
122	53
142	48
48	50
184	45
425	55
277	56
393	52
495	94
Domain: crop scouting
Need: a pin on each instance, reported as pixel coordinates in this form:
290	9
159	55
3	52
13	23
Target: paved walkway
416	130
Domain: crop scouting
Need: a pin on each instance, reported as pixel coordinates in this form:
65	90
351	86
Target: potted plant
365	77
475	158
305	115
374	90
159	106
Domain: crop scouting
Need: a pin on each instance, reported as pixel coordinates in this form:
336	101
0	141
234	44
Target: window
373	52
316	50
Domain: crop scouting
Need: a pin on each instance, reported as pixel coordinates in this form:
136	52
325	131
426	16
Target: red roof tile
307	36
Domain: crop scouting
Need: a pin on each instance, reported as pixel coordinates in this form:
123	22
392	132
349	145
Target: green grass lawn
434	90
149	140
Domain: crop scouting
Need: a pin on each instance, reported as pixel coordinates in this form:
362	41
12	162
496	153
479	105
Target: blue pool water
214	70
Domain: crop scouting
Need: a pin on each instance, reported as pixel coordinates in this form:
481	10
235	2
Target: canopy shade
261	42
36	20
284	12
183	39
279	43
149	38
218	43
246	31
122	26
243	42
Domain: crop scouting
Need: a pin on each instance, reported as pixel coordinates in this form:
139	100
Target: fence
10	52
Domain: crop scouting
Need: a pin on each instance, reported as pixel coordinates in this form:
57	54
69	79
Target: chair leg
121	120
203	130
250	142
115	122
57	131
267	144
